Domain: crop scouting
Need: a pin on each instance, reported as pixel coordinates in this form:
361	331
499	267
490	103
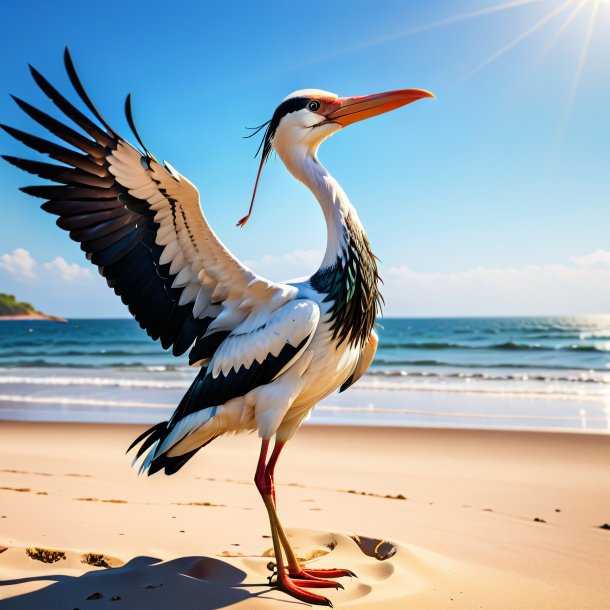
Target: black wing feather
115	229
61	131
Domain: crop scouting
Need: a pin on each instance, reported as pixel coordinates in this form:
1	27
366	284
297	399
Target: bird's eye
313	105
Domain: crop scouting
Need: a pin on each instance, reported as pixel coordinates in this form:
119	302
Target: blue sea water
474	372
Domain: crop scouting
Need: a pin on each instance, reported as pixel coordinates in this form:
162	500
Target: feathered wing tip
78	86
132	126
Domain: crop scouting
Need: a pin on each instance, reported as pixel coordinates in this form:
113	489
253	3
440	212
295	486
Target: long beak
349	110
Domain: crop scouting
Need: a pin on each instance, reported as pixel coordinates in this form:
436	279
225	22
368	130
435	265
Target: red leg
264	483
260	479
314	578
270	470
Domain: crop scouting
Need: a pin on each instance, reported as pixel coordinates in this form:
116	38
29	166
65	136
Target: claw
329	573
294	587
316	583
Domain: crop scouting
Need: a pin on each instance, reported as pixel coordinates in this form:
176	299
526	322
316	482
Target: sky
493	199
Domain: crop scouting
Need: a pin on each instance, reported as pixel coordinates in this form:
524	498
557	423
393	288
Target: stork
266	352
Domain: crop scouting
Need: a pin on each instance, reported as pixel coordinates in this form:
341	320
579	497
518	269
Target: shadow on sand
186	583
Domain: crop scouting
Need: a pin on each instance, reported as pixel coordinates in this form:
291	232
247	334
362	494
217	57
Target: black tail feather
154	433
175	463
171	465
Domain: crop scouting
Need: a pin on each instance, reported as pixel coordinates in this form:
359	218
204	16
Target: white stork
267	352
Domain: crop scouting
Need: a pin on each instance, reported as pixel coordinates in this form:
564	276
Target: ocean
523	373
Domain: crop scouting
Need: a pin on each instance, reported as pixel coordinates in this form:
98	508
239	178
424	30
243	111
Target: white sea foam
574	388
118	382
87	402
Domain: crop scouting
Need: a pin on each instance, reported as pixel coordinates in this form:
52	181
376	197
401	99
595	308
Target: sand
470	519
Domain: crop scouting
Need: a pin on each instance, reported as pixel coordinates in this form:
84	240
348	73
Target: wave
116	382
87	402
543	377
505	346
180	378
45	341
40	363
76	404
478	365
21	357
83	353
47	364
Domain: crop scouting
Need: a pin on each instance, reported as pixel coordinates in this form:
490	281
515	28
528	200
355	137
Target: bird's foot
296	588
304	578
322	573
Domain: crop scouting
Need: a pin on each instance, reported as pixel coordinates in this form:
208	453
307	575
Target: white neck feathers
303	164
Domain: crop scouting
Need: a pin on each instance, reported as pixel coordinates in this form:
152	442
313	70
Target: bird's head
305	118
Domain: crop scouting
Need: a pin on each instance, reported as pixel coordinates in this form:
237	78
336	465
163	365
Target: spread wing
141	223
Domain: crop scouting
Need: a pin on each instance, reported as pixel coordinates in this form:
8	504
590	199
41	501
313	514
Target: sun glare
564	13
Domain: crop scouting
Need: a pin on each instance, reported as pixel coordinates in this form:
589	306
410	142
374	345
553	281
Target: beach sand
471	519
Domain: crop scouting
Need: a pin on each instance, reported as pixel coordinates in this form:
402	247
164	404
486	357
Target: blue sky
491	199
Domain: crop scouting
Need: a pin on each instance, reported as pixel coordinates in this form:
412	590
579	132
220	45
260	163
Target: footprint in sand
196	504
373	547
373	495
20	489
13	471
111	501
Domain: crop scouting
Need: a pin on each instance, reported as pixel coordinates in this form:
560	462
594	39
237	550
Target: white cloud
19	265
22	267
581	286
599	258
59	269
293	264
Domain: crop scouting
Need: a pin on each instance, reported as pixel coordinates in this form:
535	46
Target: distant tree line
10	306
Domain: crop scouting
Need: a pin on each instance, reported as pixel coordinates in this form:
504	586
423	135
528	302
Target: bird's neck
348	273
339	213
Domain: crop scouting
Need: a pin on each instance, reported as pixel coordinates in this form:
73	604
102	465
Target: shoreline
478	518
33	316
146	401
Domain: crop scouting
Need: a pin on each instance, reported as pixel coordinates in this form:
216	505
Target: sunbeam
581	63
535	64
534	28
560	30
496	8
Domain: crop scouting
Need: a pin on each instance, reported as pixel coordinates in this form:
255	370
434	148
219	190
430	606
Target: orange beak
347	110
